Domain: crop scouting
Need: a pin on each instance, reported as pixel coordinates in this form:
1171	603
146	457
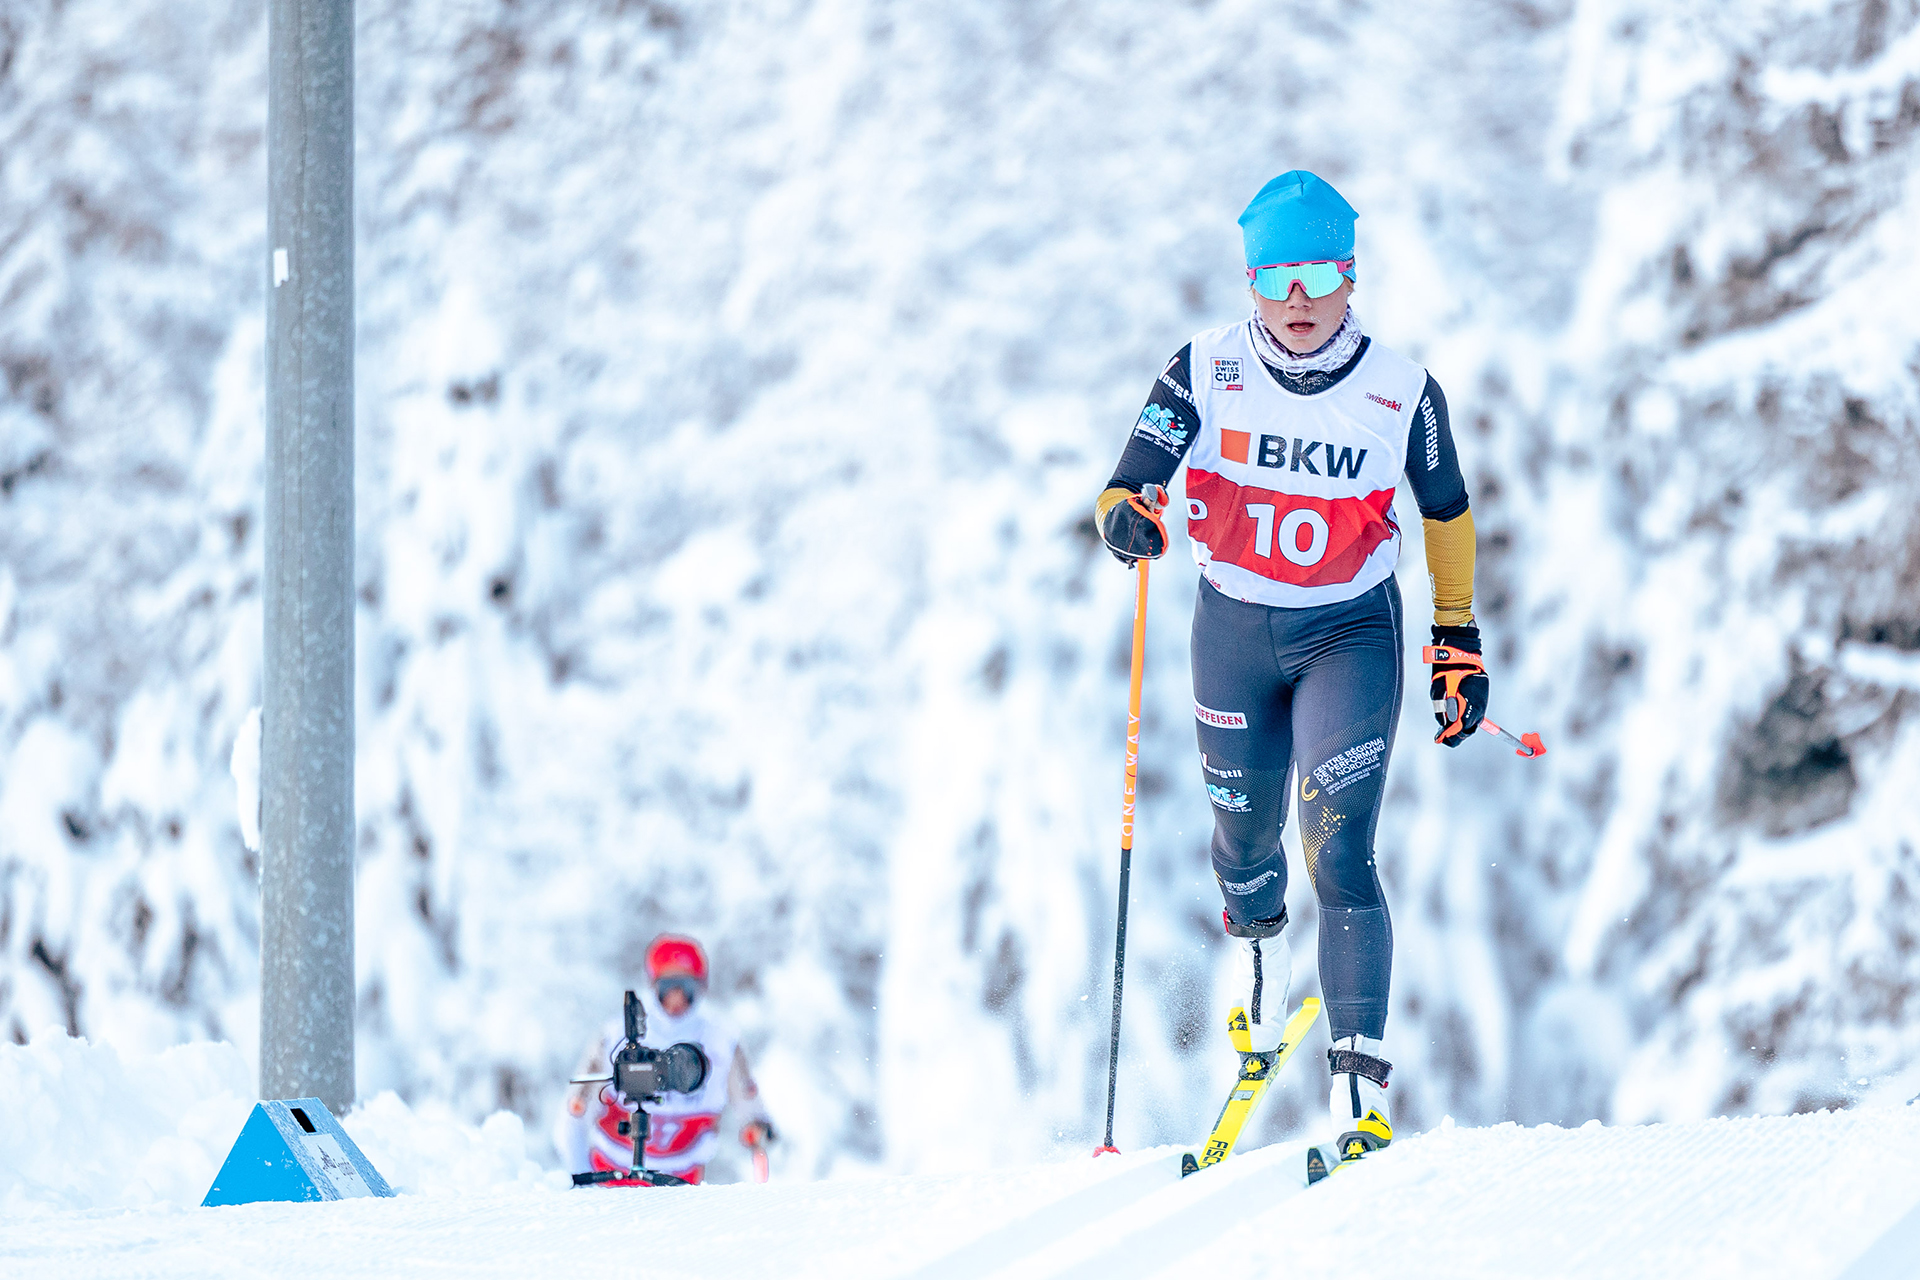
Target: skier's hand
757	1133
1130	523
1459	686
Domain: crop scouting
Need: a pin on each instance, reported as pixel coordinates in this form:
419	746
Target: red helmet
676	955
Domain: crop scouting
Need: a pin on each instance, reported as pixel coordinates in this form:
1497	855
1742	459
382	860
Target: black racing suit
1321	689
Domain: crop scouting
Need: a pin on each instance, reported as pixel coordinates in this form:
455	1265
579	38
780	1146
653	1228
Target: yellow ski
1256	1073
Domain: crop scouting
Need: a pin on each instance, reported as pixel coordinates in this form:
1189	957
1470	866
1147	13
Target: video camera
641	1074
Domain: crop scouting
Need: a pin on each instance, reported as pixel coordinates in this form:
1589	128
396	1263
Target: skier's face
1302	323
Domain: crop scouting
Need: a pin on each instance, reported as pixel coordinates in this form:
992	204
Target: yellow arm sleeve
1450	569
1109	499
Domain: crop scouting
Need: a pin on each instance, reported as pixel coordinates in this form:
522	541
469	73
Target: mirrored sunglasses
1319	279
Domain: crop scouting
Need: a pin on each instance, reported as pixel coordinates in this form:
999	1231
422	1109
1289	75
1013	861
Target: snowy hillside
735	380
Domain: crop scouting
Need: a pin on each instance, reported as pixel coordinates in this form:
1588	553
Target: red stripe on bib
1288	537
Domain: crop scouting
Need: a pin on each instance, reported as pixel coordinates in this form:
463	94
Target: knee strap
1256	928
1351	1062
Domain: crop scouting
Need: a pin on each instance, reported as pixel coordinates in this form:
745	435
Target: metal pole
307	723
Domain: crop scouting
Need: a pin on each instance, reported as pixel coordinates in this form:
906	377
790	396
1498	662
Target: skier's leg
1345	709
1245	728
1245	731
1244	723
1346	705
1253	879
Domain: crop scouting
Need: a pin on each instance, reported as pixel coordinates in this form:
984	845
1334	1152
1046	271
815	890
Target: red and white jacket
1290	497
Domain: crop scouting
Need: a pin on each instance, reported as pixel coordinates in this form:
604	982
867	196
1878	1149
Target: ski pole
1154	501
1527	744
760	1167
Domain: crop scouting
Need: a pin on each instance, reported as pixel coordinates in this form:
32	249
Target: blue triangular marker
294	1150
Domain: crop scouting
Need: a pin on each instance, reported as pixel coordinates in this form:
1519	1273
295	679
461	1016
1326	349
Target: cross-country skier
685	1126
1296	427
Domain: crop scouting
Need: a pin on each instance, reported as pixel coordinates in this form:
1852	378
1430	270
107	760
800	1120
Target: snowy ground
88	1189
1803	1196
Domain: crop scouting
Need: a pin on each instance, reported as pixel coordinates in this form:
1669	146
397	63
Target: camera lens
686	1067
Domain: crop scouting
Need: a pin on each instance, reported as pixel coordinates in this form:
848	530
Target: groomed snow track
1810	1197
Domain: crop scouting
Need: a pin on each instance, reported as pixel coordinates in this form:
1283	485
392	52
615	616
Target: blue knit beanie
1298	217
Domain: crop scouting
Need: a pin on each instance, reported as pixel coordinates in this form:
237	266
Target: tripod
637	1126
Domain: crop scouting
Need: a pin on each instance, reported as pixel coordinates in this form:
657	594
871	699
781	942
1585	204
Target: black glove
1459	688
1133	534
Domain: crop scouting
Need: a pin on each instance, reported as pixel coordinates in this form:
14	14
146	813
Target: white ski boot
1262	974
1359	1102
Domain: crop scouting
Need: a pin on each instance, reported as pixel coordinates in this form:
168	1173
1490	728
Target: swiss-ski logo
1233	802
1158	424
1391	404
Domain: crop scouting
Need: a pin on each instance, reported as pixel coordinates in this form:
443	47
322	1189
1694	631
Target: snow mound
88	1127
433	1152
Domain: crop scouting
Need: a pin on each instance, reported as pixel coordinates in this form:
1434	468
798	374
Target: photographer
685	1126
